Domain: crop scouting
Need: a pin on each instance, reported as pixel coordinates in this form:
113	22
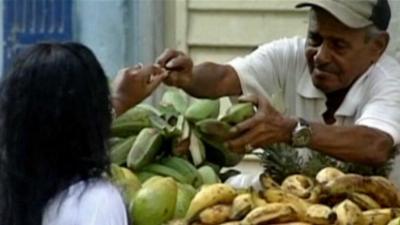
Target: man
340	90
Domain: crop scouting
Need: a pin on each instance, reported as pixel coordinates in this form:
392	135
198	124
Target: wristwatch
301	135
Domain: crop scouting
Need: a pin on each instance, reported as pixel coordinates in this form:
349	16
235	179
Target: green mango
154	203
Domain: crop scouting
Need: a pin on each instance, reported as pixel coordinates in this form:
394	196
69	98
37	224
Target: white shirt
97	203
279	71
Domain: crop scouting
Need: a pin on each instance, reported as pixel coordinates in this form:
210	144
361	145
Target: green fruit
154	203
202	109
119	152
144	149
238	113
186	193
131	122
208	175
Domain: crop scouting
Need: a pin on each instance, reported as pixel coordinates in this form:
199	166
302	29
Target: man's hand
179	68
266	127
133	84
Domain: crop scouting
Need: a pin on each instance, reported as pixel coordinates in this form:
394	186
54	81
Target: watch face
302	137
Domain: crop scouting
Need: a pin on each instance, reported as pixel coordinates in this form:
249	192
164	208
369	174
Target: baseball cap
355	13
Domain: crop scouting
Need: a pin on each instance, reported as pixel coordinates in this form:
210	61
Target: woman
55	115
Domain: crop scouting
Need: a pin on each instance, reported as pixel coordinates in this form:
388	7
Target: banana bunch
144	135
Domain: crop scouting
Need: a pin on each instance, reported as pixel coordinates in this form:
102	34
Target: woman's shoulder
96	201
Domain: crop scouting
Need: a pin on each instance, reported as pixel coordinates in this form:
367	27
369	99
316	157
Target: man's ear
379	44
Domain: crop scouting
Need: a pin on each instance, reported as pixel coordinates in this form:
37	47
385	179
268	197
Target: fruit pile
332	197
195	132
162	155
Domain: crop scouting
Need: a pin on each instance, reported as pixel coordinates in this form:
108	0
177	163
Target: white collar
306	89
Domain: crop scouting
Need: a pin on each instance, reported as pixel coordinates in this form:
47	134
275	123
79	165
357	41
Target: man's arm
352	143
206	80
211	80
356	143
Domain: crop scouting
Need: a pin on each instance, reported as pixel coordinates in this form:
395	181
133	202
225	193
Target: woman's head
54	122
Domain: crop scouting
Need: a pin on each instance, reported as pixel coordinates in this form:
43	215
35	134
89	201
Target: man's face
336	54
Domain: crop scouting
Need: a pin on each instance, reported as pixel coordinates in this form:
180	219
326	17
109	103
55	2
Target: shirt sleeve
265	70
103	207
382	111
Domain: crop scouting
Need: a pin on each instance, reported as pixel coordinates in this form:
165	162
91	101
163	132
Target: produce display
167	161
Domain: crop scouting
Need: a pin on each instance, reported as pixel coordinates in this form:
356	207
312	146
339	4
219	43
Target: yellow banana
327	174
298	185
348	213
242	204
300	205
256	199
394	221
231	223
378	188
209	195
267	182
273	212
364	201
379	216
215	214
320	214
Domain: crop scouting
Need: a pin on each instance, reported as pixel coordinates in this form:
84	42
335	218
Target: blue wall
120	32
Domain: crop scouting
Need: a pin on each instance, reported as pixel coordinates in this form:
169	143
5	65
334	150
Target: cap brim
343	14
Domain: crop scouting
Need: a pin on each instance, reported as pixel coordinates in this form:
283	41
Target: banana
177	222
363	201
231	223
320	214
174	98
120	151
166	171
377	188
164	127
210	195
202	109
144	176
131	122
267	182
197	149
327	174
144	149
348	213
298	185
154	203
273	212
180	145
394	221
215	129
185	195
242	204
217	153
315	194
215	214
256	199
208	175
184	167
276	195
293	223
380	216
238	113
129	187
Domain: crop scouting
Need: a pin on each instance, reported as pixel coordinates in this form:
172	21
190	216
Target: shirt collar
306	89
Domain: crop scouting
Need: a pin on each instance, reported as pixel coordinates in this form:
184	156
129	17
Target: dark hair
54	123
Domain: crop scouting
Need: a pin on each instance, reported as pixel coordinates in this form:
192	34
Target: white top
279	71
97	203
